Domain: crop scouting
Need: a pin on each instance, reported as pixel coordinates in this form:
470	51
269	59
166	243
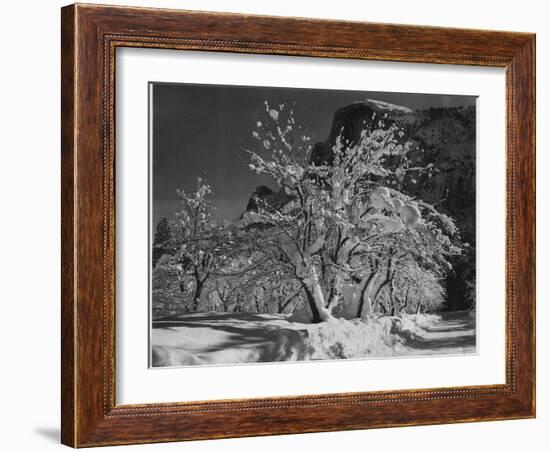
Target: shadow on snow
243	331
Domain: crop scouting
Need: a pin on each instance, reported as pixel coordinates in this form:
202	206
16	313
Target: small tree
162	240
196	235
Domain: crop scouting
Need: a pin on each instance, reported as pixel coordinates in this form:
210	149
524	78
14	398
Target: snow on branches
347	222
341	238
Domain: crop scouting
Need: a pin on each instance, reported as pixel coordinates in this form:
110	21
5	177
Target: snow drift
233	338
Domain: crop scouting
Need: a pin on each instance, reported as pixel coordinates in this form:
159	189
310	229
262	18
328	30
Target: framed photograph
280	225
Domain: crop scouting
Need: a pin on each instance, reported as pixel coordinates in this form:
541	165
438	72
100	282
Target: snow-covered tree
346	222
199	248
162	240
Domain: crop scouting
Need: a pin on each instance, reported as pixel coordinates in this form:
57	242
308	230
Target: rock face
261	192
270	198
351	120
448	139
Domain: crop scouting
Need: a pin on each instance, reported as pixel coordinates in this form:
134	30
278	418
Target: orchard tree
345	222
200	246
162	241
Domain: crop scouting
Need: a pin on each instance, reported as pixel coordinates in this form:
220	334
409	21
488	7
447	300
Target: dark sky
201	130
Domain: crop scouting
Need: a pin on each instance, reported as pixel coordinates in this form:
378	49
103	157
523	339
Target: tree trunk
393	298
336	293
315	297
388	278
405	304
379	289
197	294
365	303
315	317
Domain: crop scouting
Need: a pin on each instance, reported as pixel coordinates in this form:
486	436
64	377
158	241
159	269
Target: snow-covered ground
232	338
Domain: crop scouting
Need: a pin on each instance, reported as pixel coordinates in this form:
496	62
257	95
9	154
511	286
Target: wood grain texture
90	36
67	226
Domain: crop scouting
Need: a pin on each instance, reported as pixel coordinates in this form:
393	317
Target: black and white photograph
291	224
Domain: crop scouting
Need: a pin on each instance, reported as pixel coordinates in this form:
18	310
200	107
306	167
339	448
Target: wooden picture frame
90	36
